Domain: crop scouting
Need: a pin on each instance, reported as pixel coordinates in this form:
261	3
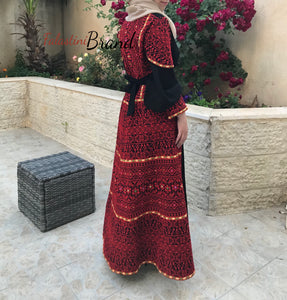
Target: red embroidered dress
146	218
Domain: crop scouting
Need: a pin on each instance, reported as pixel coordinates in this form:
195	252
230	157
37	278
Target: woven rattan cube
55	189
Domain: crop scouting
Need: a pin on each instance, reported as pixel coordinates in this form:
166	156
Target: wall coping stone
194	111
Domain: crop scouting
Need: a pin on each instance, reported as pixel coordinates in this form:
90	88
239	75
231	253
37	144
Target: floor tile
268	283
261	238
271	217
229	259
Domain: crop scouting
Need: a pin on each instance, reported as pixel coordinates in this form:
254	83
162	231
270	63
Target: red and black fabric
146	218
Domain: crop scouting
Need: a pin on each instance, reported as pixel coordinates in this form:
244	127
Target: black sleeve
166	83
163	91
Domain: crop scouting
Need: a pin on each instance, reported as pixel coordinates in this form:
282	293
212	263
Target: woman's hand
182	129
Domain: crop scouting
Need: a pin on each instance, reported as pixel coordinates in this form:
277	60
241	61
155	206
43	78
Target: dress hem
150	262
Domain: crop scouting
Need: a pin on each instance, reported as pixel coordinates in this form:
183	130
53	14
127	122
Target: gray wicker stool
55	189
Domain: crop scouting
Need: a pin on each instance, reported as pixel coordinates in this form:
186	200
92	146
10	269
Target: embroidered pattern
148	212
176	114
146	217
149	158
177	108
149	262
160	65
141	95
157	42
143	28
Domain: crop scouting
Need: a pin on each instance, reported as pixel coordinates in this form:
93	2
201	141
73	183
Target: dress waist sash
132	88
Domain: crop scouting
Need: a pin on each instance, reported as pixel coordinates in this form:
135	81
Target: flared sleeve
163	92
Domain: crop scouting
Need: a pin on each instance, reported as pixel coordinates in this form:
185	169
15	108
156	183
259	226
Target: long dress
146	219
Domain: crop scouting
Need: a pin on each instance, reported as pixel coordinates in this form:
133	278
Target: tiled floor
237	257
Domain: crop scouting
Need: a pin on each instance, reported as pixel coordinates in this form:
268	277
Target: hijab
140	8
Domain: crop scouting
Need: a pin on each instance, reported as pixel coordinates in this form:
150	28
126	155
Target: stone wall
235	159
13	103
249	159
81	117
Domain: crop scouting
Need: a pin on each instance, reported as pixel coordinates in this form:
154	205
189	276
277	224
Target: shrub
20	69
103	69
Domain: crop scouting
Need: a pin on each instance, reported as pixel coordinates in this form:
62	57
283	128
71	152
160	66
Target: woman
146	218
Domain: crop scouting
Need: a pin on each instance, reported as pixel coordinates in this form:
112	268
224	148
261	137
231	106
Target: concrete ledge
236	159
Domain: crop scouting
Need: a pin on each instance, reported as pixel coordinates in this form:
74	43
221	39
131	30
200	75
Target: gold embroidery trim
140	35
140	99
158	64
141	93
149	158
174	115
148	212
150	262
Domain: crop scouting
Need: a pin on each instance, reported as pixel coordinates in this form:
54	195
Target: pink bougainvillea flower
81	68
191	85
193	15
184	2
207	81
221	26
234	82
185	27
181	30
117	6
121	4
190	4
181	38
194	68
245	9
223	15
203	65
225	76
222	56
200	25
184	13
121	15
240	80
